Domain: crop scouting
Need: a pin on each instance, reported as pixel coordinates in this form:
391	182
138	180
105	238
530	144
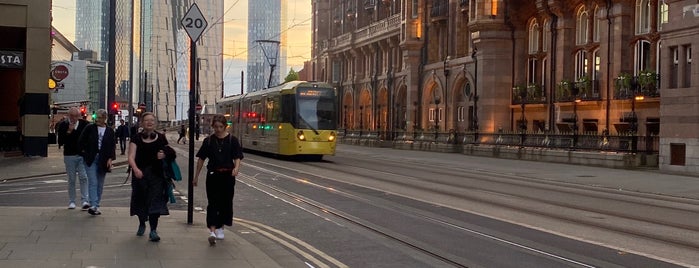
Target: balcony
440	11
388	26
647	83
531	94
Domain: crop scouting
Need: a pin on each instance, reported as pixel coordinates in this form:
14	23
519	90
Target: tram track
607	219
384	231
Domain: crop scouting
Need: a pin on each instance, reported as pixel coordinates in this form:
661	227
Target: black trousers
219	193
122	144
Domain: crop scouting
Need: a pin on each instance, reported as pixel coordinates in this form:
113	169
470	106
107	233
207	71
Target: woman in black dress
224	153
148	186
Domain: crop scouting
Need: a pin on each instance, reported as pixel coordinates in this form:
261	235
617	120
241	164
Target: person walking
98	151
68	133
148	186
225	154
182	132
122	133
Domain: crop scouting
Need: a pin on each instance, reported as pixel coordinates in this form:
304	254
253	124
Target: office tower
164	57
265	20
92	33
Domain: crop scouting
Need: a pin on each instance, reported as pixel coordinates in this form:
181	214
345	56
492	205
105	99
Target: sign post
194	24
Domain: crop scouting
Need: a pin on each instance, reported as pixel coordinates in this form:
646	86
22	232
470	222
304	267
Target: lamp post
378	121
415	118
634	121
344	122
523	119
475	94
361	118
437	100
575	90
446	81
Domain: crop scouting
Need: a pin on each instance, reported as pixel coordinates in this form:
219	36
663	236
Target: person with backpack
224	153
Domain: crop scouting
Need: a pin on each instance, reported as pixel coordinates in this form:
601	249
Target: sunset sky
235	35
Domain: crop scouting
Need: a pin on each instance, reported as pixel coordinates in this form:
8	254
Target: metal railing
564	141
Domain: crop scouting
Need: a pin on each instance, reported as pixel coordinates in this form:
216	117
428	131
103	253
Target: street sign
194	22
198	107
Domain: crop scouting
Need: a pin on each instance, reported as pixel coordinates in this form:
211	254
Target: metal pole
192	88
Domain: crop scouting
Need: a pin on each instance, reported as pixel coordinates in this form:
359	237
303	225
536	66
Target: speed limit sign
194	22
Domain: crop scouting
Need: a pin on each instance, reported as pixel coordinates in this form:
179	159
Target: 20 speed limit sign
194	22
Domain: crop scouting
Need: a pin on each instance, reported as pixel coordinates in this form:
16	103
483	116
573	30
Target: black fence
564	141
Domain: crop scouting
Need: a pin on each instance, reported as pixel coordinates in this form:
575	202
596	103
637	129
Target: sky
235	35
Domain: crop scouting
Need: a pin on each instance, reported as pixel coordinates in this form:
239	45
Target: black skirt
149	194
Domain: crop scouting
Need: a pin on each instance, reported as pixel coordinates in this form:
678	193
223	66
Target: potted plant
563	89
646	80
534	92
584	84
519	93
622	84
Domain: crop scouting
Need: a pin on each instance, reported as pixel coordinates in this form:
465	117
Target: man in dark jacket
98	150
68	133
122	133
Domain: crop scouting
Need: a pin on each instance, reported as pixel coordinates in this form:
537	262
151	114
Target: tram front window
317	111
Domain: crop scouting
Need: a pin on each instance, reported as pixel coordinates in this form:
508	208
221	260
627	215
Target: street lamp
437	100
523	119
446	79
634	121
575	91
475	93
344	122
361	118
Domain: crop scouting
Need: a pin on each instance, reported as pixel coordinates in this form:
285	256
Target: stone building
617	67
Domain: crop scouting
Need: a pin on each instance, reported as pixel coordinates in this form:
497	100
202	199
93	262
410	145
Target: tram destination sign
11	59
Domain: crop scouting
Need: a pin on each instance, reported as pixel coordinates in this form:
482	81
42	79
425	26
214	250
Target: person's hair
219	118
102	112
147	114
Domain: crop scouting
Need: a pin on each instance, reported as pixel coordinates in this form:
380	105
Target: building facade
25	58
559	66
266	23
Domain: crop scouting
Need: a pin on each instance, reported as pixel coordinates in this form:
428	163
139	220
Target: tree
292	76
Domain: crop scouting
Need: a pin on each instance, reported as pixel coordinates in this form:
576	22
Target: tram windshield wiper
308	125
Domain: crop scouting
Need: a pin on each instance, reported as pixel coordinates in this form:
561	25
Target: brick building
617	67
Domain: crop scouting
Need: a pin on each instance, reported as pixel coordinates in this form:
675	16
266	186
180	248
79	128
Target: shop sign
11	59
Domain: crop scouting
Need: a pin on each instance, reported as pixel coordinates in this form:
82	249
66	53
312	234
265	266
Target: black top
70	140
89	146
221	152
147	153
122	132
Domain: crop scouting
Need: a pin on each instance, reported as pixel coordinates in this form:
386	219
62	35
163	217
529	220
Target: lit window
663	17
580	64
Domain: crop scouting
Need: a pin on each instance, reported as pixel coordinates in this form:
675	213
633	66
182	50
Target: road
392	208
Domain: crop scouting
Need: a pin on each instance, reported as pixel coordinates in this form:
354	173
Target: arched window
534	34
642	58
581	64
581	27
642	16
595	25
662	14
547	35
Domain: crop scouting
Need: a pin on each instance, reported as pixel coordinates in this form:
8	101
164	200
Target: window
415	9
688	66
547	35
581	27
642	16
596	57
534	35
595	25
580	64
642	58
460	113
431	115
663	11
674	72
532	71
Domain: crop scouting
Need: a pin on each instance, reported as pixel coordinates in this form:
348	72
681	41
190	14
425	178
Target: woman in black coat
97	144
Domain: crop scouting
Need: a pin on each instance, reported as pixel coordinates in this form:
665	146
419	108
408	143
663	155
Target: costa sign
59	72
11	59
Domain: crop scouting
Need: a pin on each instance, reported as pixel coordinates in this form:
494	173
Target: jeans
122	144
95	178
75	163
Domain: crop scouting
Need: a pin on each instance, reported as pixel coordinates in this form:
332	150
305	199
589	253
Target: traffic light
94	116
115	107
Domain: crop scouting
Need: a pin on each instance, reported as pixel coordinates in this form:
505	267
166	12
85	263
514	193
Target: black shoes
94	211
154	236
141	230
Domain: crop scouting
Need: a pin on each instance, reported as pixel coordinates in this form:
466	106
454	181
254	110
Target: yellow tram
297	118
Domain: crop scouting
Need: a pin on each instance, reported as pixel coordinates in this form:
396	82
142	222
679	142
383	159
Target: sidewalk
46	237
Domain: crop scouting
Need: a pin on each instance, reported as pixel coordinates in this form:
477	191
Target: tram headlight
332	136
300	136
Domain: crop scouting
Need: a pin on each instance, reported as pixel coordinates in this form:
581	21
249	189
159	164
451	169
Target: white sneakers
219	233
86	205
71	205
212	239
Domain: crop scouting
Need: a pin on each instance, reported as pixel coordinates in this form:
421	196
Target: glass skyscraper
266	21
